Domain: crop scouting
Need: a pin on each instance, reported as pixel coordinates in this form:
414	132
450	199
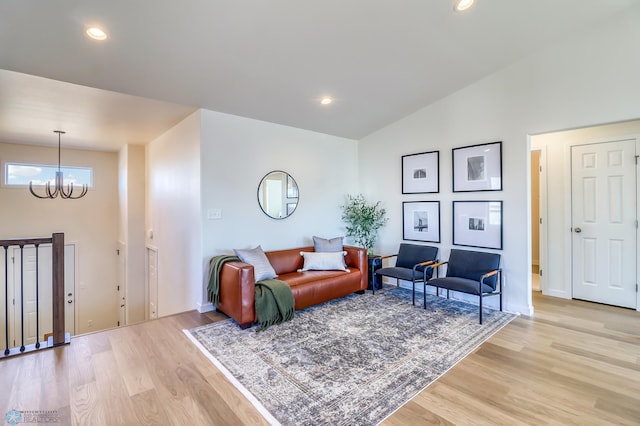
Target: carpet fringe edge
244	391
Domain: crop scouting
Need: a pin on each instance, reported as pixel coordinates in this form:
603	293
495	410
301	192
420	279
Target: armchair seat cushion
402	273
464	285
472	265
465	270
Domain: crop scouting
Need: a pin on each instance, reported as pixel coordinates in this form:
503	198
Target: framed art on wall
477	224
420	173
477	168
421	221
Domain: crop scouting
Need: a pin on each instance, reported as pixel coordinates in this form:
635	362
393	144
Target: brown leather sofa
237	285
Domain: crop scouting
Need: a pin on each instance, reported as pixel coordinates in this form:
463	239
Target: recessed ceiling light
460	5
326	100
96	33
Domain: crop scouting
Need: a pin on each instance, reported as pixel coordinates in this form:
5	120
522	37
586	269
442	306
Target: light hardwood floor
573	363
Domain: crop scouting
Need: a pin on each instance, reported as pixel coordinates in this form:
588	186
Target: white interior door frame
543	219
637	230
76	270
568	220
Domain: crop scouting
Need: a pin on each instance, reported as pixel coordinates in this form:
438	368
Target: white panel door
603	206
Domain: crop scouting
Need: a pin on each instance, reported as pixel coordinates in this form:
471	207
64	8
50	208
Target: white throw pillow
324	261
262	269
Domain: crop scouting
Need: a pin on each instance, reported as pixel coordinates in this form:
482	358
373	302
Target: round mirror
278	194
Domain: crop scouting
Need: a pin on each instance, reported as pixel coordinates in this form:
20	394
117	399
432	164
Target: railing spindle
60	337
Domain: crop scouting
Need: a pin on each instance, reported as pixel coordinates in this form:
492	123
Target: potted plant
363	220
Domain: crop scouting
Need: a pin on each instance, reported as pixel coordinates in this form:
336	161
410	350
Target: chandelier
59	189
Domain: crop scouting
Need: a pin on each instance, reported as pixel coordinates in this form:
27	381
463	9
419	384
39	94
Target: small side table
375	263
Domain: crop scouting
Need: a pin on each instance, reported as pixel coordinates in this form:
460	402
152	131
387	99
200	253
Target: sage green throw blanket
274	302
215	266
273	299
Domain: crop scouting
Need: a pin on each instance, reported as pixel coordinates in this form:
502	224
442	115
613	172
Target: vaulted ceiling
270	60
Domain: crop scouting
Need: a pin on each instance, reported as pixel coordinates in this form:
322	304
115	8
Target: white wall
174	215
216	161
589	79
557	281
237	152
131	190
91	222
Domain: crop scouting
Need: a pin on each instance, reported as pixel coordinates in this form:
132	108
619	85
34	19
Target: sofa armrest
237	292
357	258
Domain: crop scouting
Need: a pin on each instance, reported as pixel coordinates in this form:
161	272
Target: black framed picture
421	173
477	224
421	221
477	167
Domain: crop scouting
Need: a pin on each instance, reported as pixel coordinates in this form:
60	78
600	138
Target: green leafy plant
363	220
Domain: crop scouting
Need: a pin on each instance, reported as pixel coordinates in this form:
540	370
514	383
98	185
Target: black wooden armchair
470	272
412	264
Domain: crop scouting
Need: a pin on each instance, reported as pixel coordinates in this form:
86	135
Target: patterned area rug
352	361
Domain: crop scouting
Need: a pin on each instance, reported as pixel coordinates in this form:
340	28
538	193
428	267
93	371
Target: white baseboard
205	307
519	309
557	293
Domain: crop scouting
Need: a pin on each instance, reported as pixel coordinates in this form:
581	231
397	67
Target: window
17	174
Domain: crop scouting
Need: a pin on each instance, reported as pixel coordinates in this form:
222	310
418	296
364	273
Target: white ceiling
265	59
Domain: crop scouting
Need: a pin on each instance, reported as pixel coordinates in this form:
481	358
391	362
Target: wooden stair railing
59	337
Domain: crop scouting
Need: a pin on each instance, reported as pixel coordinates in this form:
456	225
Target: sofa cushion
323	261
327	245
262	269
295	279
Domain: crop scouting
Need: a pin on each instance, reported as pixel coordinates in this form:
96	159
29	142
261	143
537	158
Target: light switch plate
214	214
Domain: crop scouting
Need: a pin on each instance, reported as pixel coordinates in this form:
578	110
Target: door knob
578	230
